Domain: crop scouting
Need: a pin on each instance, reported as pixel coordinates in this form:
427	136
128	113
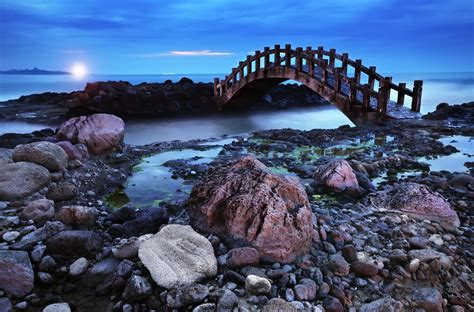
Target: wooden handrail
315	59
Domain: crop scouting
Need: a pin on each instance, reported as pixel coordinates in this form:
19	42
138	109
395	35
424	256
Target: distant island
34	71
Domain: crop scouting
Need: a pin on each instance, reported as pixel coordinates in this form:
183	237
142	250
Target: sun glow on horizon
79	70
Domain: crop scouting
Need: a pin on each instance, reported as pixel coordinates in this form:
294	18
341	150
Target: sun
79	70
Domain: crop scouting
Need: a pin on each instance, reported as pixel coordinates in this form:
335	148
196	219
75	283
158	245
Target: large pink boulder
101	133
247	205
419	202
336	175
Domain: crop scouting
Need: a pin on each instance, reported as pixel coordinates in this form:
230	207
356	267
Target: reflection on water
8	126
454	162
140	132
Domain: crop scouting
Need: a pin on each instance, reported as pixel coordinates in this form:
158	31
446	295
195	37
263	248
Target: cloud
73	51
188	53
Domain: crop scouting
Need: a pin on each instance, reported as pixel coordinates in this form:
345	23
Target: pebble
414	265
38	253
3	205
349	253
78	267
10	236
418	242
57	307
364	269
256	285
21	305
339	265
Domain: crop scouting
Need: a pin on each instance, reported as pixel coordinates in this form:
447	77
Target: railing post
241	70
249	65
266	57
277	55
371	79
320	53
309	61
224	85
366	96
384	95
401	93
216	83
324	76
332	57
336	83
298	60
257	61
417	92
353	94
357	71
345	56
287	55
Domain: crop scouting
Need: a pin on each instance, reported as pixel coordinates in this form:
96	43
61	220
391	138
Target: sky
212	36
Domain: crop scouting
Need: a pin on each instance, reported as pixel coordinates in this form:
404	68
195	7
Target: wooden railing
321	64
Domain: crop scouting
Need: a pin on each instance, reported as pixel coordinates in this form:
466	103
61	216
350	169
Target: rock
100	271
419	202
178	256
306	290
332	304
246	204
21	179
186	295
427	255
277	304
77	216
57	307
47	264
46	154
5	305
148	220
40	211
10	236
339	265
78	267
71	244
16	273
71	150
48	230
205	307
461	180
337	175
386	304
63	191
227	301
418	242
124	214
349	253
364	269
125	267
101	133
244	256
138	288
128	248
413	265
429	299
256	285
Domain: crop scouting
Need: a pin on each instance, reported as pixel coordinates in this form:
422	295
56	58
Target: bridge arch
340	85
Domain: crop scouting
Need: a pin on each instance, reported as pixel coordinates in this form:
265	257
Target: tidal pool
454	162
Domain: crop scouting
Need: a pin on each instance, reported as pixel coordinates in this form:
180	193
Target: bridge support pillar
384	95
416	100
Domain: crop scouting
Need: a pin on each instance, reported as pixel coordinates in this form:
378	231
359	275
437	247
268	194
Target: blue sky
210	36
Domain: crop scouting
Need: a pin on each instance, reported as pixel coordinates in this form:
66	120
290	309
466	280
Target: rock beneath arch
337	175
101	133
419	202
247	205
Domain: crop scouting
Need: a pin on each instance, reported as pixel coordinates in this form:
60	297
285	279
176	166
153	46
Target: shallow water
454	162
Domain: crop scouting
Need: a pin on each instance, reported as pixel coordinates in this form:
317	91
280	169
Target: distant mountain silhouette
34	71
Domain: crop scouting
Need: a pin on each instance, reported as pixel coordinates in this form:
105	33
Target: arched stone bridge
358	91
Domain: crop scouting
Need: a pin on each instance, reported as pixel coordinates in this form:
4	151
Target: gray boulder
46	154
73	244
40	211
21	179
16	273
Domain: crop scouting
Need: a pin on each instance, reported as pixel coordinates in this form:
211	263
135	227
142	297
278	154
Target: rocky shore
350	219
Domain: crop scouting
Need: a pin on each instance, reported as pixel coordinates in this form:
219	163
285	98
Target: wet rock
148	220
16	273
227	301
246	204
5	305
46	154
77	216
78	267
47	264
364	269
256	285
306	290
29	240
418	242
178	256
57	307
101	133
337	175
419	202
128	248
429	299
332	304
124	214
100	272
40	211
349	253
21	179
461	180
71	244
339	265
386	304
277	304
125	268
187	295
63	191
240	257
10	236
138	288
71	150
205	307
